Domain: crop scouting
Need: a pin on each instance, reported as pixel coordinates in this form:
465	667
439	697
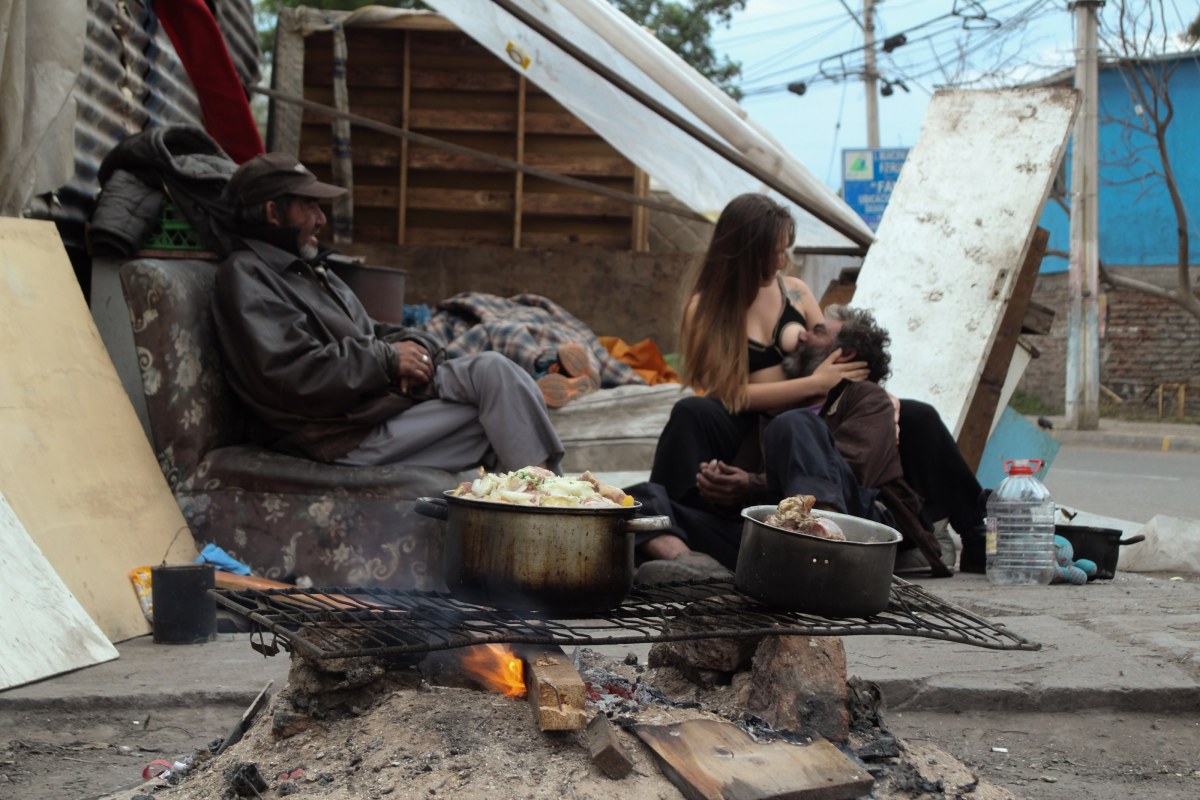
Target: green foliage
1031	405
685	28
1193	31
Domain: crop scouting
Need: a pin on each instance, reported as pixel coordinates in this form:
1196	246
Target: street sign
868	176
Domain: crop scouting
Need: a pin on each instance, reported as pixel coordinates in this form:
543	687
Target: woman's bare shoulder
792	282
795	289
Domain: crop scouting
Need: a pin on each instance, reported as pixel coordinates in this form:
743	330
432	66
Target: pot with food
800	559
531	540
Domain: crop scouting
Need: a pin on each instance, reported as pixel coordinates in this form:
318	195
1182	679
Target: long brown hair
739	260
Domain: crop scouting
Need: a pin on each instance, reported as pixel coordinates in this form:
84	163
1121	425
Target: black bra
763	356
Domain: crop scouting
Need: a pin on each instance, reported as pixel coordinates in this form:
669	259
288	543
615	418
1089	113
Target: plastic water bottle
1020	528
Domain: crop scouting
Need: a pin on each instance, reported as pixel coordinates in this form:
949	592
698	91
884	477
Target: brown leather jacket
313	368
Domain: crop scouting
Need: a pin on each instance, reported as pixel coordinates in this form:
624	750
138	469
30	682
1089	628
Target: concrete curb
1163	437
1129	440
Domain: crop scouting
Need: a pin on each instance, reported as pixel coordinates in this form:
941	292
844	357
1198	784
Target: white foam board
44	630
954	236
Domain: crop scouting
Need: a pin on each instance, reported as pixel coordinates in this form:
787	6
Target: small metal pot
799	572
1099	545
565	561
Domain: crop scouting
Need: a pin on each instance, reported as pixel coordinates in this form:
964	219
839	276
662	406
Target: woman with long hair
742	315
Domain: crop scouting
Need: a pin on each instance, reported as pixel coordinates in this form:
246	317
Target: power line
968	16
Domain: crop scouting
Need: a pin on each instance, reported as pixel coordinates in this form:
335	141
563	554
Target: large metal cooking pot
799	572
555	560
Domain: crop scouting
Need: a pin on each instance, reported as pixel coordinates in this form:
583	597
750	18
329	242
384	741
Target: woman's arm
775	395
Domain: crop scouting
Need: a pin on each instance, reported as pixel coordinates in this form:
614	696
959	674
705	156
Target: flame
497	667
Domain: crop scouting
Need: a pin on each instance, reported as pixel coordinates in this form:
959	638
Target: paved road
1132	485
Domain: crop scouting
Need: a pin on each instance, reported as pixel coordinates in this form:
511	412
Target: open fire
497	667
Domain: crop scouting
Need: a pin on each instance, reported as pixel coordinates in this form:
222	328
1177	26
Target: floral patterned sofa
284	516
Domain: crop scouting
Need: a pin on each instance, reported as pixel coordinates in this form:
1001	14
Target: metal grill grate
341	623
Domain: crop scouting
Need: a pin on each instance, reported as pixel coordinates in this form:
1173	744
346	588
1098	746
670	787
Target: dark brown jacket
301	352
862	419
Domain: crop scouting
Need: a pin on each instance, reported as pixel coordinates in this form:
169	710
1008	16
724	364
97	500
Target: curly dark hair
860	336
867	340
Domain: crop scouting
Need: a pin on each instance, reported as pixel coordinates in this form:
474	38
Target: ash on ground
365	728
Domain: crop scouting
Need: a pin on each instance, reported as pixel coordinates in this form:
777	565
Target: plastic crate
173	233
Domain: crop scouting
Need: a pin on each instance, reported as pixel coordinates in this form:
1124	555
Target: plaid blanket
528	328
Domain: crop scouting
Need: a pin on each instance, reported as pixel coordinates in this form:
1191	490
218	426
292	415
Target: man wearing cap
325	381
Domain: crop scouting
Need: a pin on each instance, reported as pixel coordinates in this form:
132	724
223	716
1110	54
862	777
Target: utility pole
1083	324
870	75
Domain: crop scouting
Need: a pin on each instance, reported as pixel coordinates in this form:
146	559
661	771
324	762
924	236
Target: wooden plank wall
441	83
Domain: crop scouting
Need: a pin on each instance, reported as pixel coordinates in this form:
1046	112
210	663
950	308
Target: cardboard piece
958	226
43	630
74	462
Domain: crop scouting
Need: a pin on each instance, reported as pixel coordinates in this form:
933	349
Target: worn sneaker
575	361
690	566
558	389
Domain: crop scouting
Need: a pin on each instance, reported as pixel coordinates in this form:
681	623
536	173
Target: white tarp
693	173
41	53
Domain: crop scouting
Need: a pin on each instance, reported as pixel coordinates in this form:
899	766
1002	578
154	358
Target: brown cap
272	175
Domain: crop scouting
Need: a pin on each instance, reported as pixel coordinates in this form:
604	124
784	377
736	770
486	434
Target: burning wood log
555	690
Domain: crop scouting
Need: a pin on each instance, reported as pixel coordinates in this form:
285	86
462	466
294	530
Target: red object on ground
193	31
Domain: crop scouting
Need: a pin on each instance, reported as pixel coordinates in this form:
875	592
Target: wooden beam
460	150
641	217
576	205
519	177
606	749
977	424
1038	319
555	690
495	80
405	146
460	200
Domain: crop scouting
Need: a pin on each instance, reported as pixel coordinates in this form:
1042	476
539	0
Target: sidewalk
1163	436
1130	644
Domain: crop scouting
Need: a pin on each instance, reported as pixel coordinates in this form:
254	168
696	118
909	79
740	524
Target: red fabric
193	31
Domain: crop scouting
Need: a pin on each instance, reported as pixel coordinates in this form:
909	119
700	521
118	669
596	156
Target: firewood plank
715	760
606	749
555	689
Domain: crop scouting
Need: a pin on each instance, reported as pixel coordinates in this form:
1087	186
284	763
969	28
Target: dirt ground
422	741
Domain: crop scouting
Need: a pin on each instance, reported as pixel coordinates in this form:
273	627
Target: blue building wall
1137	221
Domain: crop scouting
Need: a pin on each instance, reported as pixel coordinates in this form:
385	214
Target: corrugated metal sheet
132	79
236	20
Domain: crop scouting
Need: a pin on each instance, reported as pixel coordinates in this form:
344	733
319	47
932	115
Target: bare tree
1136	37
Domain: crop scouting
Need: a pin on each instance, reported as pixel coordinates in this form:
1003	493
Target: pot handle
435	507
645	524
1140	537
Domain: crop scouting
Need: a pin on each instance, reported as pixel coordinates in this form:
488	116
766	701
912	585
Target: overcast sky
992	42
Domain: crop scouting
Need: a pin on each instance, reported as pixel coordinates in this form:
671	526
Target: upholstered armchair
284	516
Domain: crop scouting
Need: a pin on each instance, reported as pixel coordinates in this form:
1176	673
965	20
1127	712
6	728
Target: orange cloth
644	357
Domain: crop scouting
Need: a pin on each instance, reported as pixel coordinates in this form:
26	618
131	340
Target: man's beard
308	251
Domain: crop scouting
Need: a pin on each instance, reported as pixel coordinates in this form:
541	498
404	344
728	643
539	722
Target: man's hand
723	485
415	365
